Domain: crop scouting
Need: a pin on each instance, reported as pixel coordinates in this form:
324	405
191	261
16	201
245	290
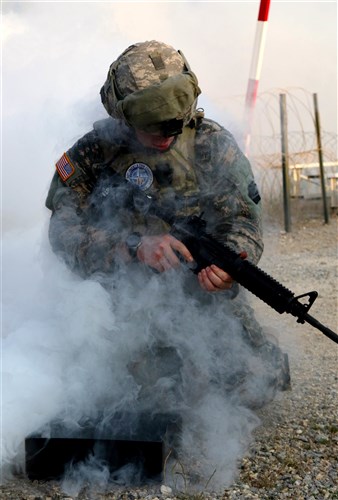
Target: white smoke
55	57
66	343
71	348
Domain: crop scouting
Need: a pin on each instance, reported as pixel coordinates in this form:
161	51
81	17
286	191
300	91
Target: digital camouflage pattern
204	171
145	64
148	84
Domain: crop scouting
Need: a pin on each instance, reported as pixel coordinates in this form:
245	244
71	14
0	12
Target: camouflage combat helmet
152	88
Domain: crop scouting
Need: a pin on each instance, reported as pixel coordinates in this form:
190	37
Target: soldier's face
153	140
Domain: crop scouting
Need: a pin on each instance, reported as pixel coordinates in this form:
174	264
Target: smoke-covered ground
294	453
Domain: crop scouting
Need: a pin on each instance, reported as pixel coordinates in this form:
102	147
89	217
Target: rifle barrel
324	329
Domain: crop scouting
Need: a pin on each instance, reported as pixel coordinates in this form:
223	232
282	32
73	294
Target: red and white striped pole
255	70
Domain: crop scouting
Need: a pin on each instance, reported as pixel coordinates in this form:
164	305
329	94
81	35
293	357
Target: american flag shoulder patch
65	167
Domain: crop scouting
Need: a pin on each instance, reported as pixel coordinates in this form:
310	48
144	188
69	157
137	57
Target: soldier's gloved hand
214	279
160	252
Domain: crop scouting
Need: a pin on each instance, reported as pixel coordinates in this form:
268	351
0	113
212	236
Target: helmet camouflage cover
149	84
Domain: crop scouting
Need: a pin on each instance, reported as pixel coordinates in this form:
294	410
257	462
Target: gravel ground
295	450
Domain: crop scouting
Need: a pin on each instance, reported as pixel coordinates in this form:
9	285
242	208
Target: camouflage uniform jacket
203	171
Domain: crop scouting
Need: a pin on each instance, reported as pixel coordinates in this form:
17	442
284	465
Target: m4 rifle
207	250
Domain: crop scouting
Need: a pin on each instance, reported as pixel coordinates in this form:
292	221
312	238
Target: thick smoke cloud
66	342
56	56
75	349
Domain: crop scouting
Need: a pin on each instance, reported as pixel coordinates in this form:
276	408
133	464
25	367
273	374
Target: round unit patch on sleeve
65	167
140	175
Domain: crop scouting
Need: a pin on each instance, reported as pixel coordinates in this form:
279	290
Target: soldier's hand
214	279
160	252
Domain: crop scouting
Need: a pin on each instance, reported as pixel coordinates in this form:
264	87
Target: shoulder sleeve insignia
253	192
65	167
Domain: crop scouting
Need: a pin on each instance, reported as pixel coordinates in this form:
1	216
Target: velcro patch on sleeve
65	167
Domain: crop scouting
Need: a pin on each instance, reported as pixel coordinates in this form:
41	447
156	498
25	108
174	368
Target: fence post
320	158
285	163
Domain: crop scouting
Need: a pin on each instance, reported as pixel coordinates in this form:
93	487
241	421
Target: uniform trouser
234	357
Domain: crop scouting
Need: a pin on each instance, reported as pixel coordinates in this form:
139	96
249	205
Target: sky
61	333
55	57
